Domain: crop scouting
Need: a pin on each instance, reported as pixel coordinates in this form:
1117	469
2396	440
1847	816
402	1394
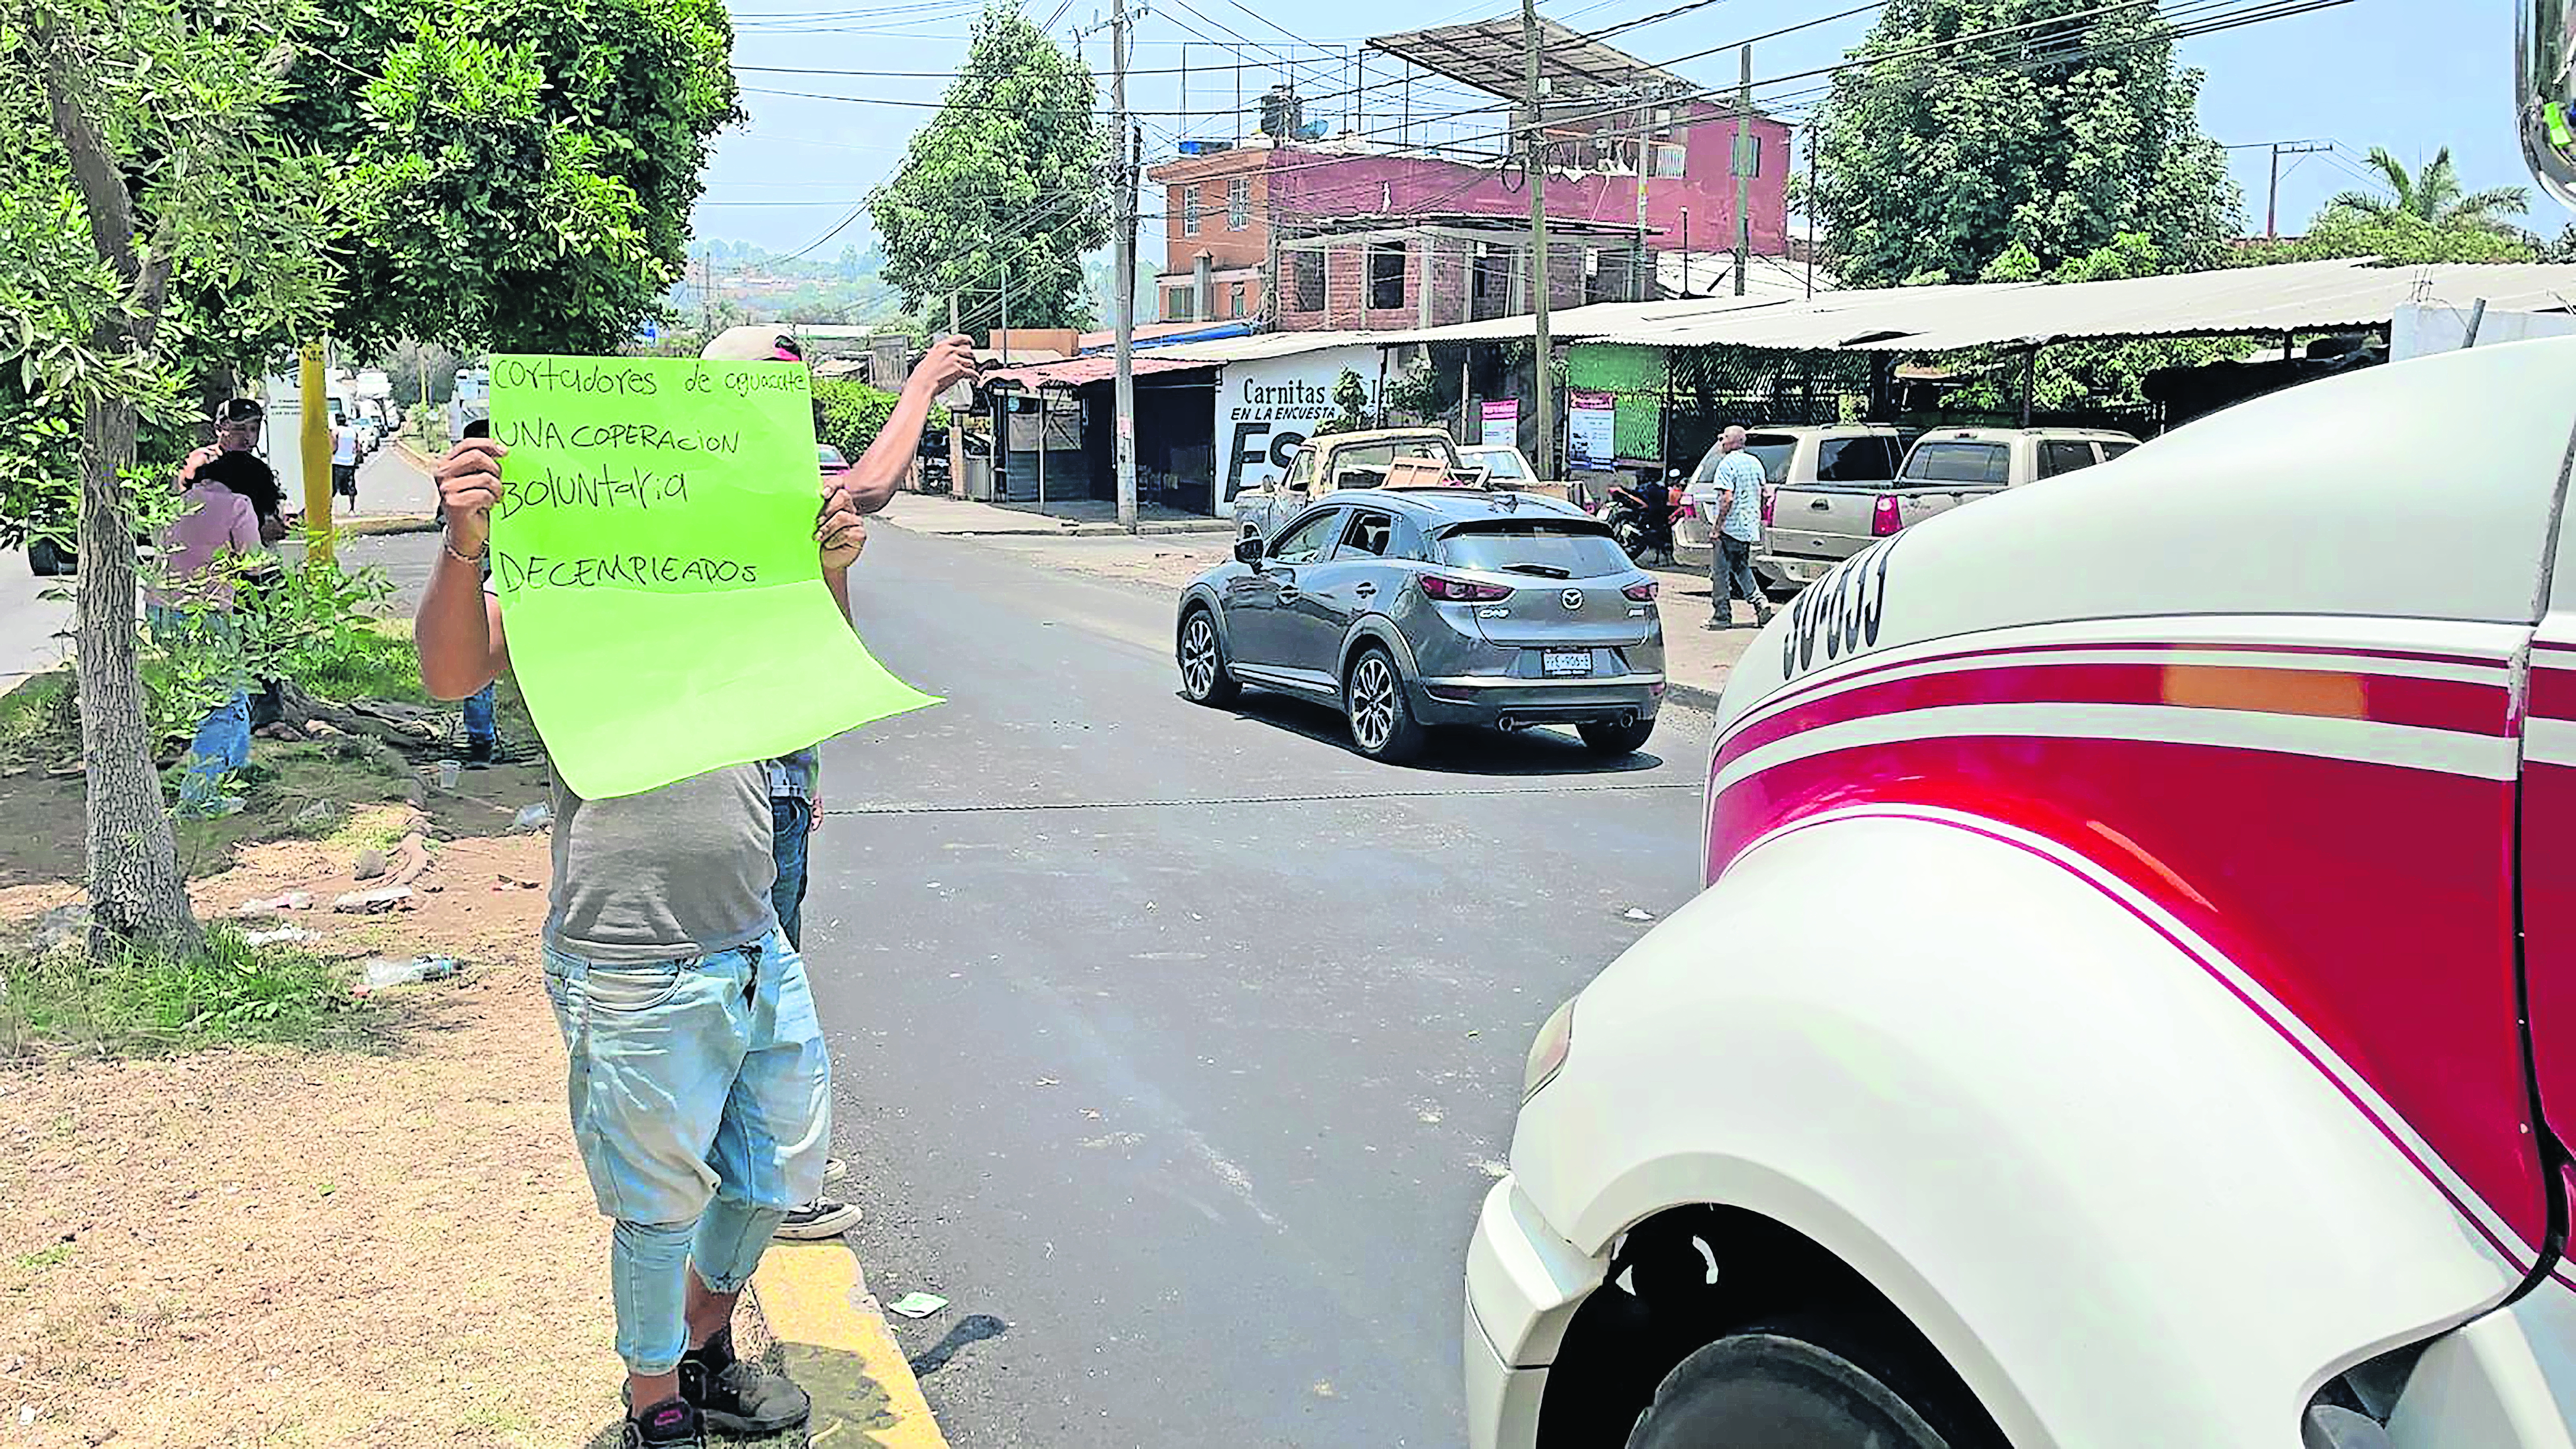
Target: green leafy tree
2432	196
515	175
2400	240
1939	154
1010	174
149	159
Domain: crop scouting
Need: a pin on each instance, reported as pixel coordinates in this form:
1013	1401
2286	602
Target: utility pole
1743	162
956	424
2272	194
1123	440
1811	209
1543	376
313	446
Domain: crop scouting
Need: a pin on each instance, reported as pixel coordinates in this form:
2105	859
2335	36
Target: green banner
659	581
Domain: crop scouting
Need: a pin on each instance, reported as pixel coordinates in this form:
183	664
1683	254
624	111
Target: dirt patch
392	1247
42	821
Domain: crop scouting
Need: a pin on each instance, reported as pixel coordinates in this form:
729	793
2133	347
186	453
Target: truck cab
1374	459
2132	1007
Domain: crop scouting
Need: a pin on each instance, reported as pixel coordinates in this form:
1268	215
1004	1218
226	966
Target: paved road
1184	1042
1180	1044
33	630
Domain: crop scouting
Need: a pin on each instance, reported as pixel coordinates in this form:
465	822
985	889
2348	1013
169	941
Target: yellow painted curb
843	1355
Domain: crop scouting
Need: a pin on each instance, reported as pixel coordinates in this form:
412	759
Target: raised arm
871	481
458	628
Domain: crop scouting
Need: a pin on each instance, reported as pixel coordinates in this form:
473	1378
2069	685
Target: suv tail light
1641	593
1882	519
1461	591
1769	495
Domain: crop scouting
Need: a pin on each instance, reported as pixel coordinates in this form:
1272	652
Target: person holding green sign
698	1079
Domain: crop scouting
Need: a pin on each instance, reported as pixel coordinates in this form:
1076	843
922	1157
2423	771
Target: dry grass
389	1248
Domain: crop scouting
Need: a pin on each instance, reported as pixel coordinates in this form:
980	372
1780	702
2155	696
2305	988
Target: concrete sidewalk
1697	661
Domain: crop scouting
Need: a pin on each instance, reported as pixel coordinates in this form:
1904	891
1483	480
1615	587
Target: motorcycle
1643	538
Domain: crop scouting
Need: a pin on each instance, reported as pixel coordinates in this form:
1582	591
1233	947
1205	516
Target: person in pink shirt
194	595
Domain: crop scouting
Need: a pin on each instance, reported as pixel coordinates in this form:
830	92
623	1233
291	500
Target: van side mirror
1247	550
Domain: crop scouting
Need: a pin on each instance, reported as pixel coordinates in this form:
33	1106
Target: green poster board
660	585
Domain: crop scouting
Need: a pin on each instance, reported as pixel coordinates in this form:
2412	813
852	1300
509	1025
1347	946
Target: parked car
1336	461
1808	527
1417	606
829	459
1795	456
2133	1000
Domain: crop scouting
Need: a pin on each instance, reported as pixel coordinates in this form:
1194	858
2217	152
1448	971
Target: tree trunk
136	890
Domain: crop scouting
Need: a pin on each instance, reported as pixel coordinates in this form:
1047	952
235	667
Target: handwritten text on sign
659	580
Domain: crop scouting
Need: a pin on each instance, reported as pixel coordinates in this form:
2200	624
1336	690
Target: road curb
380	525
1692	695
838	1348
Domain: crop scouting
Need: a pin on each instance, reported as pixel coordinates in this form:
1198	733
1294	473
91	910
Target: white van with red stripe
2134	1000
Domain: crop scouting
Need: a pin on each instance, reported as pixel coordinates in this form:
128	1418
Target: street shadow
1451	750
973	1328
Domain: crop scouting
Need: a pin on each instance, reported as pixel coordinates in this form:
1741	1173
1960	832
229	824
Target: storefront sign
1588	431
1502	423
1265	409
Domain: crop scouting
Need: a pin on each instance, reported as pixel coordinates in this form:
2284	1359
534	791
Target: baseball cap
239	410
754	344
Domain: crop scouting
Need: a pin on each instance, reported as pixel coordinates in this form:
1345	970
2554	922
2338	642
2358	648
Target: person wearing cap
700	1083
237	423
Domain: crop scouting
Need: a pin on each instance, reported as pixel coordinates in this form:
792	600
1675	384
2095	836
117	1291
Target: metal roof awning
1074	372
1487	54
2238	301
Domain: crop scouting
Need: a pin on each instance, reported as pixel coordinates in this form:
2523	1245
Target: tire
1820	1385
1616	739
1201	655
1381	718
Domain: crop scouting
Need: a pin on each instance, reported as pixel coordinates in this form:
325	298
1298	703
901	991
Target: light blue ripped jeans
701	1101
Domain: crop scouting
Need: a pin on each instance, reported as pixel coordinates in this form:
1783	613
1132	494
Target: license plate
1565	661
1805	573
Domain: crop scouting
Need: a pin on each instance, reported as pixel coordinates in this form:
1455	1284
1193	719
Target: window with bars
1238	203
1190	211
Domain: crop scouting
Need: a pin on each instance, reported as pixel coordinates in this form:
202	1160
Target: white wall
2419	328
1264	406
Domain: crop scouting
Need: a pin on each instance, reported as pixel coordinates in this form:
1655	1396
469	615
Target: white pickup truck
1814	520
2135	1007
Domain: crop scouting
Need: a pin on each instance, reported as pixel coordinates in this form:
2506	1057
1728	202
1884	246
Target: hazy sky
2411	75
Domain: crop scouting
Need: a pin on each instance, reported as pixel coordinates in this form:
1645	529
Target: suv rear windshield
1856	460
1958	463
1548	548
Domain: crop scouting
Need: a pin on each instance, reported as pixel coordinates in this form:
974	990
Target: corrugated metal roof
1266	344
2290	297
1077	371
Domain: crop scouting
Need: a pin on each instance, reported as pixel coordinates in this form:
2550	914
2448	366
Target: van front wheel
1775	1389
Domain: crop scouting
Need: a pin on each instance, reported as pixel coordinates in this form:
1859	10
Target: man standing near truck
1732	498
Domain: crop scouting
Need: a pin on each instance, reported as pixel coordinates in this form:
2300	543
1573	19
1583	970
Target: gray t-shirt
673	873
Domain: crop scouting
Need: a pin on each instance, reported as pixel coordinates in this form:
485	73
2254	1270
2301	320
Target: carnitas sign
1266	408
